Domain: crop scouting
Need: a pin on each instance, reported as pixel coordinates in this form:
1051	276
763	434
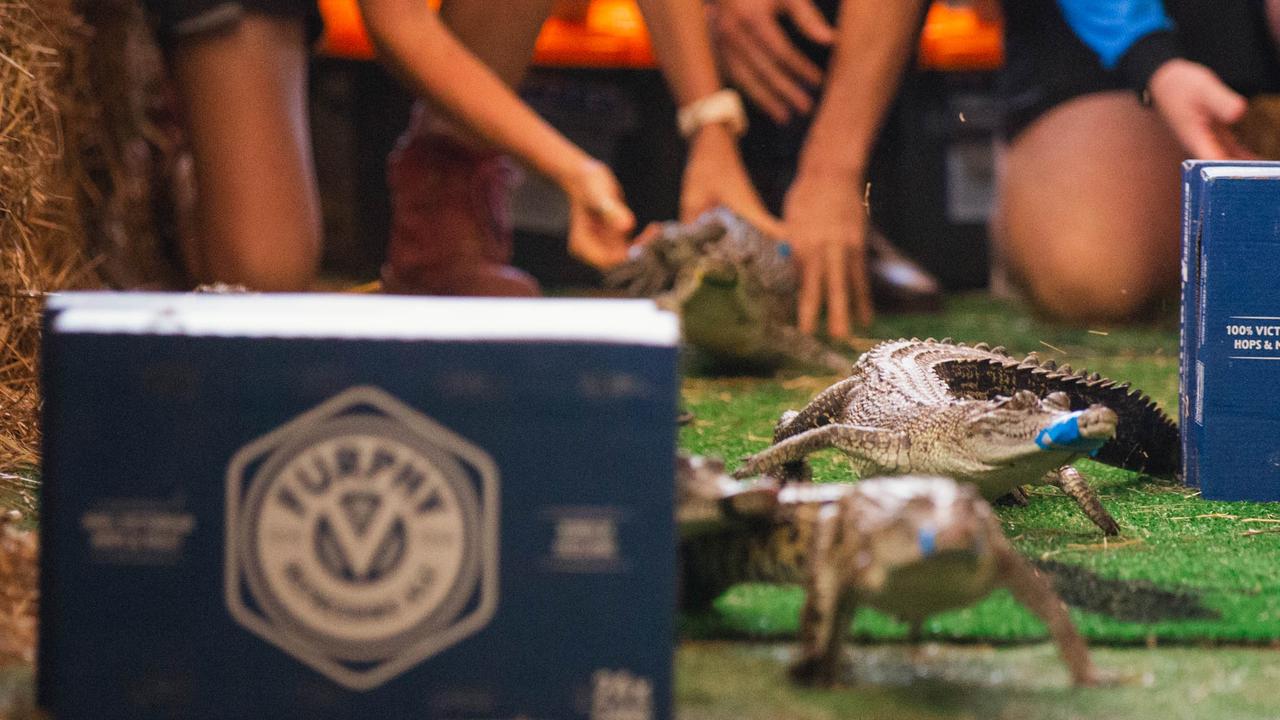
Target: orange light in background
968	36
612	34
344	34
598	34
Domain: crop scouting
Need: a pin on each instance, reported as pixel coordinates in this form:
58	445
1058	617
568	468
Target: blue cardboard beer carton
357	507
1231	330
1192	185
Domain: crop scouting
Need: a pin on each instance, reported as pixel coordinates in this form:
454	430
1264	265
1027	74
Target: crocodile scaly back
933	371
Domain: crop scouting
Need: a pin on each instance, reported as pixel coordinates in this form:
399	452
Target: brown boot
450	217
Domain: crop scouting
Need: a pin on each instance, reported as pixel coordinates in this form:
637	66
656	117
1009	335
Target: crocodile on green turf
975	414
733	287
907	546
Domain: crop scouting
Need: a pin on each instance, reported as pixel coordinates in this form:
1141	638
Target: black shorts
175	20
772	152
1046	64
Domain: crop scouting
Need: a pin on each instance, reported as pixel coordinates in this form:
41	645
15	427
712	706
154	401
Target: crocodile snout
1098	422
1080	431
718	270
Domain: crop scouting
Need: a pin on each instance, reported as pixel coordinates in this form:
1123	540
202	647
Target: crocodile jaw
949	579
998	463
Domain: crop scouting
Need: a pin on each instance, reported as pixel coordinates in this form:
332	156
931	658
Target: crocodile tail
766	552
1146	438
808	351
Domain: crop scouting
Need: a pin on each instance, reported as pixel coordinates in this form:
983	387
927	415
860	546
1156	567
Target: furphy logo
362	538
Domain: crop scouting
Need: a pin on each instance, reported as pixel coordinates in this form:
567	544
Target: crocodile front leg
828	607
825	407
870	449
1071	482
821	410
793	472
1016	497
1034	592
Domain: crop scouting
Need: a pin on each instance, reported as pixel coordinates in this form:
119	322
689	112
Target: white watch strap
722	106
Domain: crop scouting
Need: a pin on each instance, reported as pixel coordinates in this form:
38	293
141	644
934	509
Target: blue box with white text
357	507
1230	366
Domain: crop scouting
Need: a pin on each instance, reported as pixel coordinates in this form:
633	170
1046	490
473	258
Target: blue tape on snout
784	250
1065	435
927	537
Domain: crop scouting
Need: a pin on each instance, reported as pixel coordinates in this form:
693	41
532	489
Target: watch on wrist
720	107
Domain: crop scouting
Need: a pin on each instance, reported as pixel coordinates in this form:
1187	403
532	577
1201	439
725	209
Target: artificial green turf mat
736	681
1184	570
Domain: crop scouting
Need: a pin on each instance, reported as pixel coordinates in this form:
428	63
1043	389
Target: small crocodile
975	414
907	546
733	287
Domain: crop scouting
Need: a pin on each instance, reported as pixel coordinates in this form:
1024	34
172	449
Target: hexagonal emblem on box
362	538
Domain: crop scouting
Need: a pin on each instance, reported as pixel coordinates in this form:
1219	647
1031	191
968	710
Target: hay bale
18	594
39	215
88	151
130	149
85	172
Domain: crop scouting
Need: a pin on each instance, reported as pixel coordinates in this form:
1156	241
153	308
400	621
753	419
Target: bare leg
450	193
244	96
1071	482
1088	213
504	38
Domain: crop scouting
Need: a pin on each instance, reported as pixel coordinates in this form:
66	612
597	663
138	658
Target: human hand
826	226
1199	108
599	219
714	175
761	60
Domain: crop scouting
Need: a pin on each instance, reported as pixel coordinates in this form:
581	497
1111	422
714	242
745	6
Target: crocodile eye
1024	399
1058	401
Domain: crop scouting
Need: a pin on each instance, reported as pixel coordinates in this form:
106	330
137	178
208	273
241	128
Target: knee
279	277
1085	289
277	267
1103	268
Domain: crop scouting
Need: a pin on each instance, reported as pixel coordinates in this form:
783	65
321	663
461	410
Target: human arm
823	211
761	60
413	41
1137	40
714	173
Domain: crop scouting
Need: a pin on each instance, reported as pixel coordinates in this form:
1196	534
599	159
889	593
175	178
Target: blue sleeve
1112	27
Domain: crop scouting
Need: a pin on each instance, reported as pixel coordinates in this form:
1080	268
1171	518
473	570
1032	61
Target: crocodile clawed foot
796	472
1070	481
815	673
1108	524
749	468
1016	497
